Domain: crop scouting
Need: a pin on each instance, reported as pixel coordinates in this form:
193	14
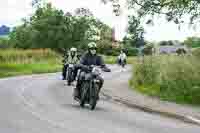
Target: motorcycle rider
88	59
69	58
122	57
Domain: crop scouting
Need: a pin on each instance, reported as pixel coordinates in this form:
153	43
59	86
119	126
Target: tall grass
18	61
170	77
19	56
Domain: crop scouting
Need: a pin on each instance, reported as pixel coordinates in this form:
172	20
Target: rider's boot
76	93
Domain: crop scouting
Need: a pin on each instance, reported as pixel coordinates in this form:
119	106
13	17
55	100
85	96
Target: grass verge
169	77
7	70
22	62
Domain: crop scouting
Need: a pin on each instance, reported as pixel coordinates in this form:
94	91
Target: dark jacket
88	59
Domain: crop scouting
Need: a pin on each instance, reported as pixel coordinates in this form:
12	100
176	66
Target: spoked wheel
93	103
69	77
93	100
68	83
84	88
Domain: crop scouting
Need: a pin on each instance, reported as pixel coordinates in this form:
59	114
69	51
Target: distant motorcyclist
89	58
122	58
70	57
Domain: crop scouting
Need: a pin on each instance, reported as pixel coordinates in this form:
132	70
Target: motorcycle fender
88	77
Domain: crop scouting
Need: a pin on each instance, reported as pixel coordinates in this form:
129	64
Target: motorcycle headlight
96	81
71	65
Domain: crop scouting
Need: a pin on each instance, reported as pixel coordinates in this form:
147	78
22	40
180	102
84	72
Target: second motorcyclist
69	58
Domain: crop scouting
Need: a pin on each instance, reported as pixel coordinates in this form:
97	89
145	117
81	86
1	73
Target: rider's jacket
89	59
122	56
68	59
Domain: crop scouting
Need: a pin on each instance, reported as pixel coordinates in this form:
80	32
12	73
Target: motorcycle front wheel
69	77
93	99
84	90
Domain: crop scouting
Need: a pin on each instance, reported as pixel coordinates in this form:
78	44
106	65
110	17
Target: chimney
113	34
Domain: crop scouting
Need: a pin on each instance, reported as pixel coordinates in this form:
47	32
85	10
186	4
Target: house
169	49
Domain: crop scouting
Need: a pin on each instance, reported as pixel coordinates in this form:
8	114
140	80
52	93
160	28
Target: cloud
12	11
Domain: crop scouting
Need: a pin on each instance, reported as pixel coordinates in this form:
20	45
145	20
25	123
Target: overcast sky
12	11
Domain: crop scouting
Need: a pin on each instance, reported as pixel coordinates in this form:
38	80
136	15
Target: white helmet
92	45
73	49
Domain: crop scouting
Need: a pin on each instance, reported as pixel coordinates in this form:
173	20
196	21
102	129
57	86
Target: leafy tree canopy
174	10
49	27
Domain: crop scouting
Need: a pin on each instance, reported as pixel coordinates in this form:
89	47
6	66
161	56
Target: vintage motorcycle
90	87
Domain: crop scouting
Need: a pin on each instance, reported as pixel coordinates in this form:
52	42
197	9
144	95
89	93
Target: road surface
44	104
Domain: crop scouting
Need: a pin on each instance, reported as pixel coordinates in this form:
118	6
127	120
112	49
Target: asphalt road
44	104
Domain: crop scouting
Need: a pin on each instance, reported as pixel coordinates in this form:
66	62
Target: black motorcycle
70	74
90	87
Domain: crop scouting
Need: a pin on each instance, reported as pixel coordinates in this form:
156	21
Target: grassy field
20	62
169	77
7	70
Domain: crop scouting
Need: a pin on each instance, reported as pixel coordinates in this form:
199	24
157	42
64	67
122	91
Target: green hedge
116	51
132	52
196	52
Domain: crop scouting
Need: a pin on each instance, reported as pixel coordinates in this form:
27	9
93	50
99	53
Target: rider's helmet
92	48
73	50
123	50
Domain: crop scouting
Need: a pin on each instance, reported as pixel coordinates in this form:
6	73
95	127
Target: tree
163	43
135	32
192	42
47	28
173	10
4	43
21	37
83	12
51	28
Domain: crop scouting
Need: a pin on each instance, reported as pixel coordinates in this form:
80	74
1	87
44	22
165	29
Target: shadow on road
77	106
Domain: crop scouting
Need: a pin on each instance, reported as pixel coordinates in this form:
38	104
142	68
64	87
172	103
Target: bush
132	51
105	47
196	52
148	49
193	42
181	51
4	43
169	77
